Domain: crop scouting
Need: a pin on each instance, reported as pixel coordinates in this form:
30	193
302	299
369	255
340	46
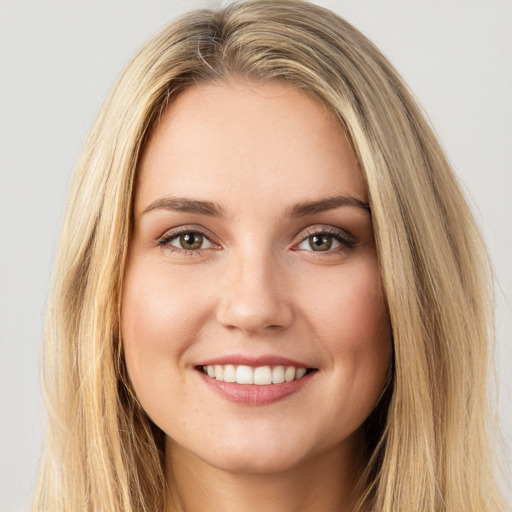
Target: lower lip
253	394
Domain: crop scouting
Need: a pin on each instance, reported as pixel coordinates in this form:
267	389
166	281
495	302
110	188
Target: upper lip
254	361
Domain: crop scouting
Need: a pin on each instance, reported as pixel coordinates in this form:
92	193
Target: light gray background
58	59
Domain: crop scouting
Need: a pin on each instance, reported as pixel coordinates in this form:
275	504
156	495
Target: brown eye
325	241
191	241
320	242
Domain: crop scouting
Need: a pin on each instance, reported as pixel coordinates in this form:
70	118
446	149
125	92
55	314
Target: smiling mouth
260	375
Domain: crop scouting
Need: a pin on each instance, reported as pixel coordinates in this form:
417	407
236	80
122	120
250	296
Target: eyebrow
323	205
180	204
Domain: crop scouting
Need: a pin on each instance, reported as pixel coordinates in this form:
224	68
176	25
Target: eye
322	240
186	241
319	243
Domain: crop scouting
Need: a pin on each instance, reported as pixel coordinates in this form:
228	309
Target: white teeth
261	375
289	374
244	375
278	375
300	373
229	373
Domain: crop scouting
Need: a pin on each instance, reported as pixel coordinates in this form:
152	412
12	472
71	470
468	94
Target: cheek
158	308
160	319
351	323
350	309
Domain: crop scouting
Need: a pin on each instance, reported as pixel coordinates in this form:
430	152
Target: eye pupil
320	242
191	241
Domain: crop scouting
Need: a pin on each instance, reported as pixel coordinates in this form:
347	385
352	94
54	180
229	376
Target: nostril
255	309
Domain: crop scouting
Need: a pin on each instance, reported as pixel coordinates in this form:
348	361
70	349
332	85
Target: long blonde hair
428	446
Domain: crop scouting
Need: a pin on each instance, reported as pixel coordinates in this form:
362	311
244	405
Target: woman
270	292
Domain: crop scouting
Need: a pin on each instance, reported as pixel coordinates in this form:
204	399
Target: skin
254	287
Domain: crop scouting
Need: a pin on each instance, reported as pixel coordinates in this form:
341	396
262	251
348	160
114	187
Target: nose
253	296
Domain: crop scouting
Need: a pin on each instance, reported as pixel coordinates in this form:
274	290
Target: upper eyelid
190	228
323	229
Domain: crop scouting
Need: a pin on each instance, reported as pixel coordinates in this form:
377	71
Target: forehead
240	141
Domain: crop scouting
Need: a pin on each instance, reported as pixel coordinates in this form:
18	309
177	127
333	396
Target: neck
323	483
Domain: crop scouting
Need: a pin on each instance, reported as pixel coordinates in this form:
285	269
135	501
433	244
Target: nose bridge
253	296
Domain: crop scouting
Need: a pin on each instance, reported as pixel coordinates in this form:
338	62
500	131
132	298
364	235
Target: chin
260	461
262	451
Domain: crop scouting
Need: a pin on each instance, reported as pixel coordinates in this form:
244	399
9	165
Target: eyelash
164	241
345	239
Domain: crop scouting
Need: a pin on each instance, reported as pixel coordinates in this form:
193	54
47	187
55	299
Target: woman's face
253	253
